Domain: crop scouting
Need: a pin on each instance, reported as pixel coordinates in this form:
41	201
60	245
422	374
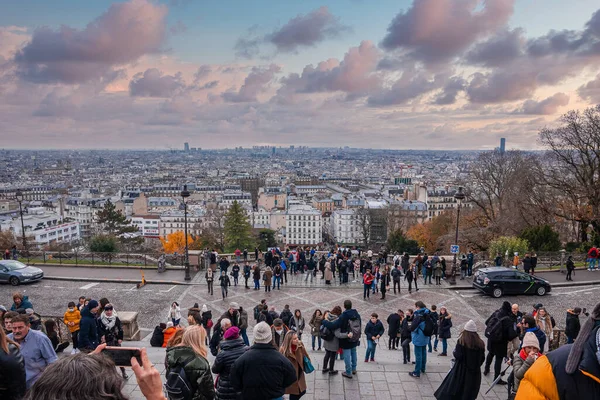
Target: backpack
213	258
493	329
256	313
429	325
354	327
177	385
325	333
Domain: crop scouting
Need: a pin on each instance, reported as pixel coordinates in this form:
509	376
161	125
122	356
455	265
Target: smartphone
121	356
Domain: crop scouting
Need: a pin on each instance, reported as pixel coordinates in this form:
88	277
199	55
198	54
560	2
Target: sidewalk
125	275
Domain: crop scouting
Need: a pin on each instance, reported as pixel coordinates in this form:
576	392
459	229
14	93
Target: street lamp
19	197
459	197
184	195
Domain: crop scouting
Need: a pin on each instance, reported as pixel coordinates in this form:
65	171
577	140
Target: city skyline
428	74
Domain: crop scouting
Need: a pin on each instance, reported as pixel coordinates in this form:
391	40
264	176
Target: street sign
454	249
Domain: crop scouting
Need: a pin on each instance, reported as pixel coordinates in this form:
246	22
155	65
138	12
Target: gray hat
262	333
234	305
470	326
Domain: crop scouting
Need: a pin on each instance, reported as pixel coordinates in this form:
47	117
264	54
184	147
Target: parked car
15	272
497	281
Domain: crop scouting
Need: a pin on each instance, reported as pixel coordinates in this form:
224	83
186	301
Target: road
115	273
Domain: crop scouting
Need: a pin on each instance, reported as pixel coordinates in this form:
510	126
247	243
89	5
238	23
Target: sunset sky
423	74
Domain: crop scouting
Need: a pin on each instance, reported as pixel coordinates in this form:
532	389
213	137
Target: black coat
394	322
509	320
88	330
405	332
572	325
157	337
231	350
444	325
262	372
464	379
285	316
12	374
111	336
434	317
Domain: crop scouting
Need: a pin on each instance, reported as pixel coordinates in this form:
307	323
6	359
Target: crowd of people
277	362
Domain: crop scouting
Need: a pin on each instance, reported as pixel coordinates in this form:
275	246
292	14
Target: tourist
297	323
232	313
464	379
71	318
373	331
243	325
267	277
51	330
367	282
528	355
592	259
231	348
158	336
405	335
349	322
438	273
20	302
224	282
419	340
572	325
235	272
294	351
394	321
210	277
191	355
331	342
384	282
544	321
8	317
217	336
501	322
434	336
88	329
35	347
570	268
110	330
315	326
277	272
247	271
206	320
12	369
286	315
168	333
276	372
174	314
278	332
444	331
411	276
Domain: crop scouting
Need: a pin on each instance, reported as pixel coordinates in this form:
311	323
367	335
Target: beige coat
328	273
297	360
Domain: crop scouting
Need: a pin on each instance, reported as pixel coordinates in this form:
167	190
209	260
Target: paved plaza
383	379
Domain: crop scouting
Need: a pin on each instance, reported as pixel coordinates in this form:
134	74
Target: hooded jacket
231	350
168	334
88	330
72	316
197	371
25	304
417	326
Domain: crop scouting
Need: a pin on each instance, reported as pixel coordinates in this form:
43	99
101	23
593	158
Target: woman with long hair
110	330
315	326
543	321
191	354
464	379
294	351
297	323
444	325
12	369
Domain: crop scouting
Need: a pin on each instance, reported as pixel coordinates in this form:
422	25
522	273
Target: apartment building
303	225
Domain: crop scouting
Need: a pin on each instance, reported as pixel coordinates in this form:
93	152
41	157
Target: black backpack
354	326
177	385
325	333
429	325
493	329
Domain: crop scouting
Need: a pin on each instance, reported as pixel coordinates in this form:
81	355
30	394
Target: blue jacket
417	326
374	329
342	324
25	304
88	330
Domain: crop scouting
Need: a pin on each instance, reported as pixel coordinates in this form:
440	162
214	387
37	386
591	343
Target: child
530	352
72	318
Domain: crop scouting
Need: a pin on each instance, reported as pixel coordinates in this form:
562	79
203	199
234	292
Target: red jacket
593	253
368	279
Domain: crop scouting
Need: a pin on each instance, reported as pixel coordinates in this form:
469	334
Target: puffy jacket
262	373
417	326
343	324
547	378
88	330
572	324
72	316
444	325
231	350
25	304
12	374
197	371
374	329
157	338
520	368
167	334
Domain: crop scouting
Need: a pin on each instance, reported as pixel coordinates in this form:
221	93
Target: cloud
304	30
411	85
591	90
354	75
436	30
178	28
152	83
547	106
450	91
124	33
498	50
255	83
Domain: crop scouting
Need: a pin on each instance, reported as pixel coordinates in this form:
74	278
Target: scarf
524	355
108	322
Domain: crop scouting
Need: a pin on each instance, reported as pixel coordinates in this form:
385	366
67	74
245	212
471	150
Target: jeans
371	347
366	291
313	341
175	321
235	280
435	342
244	336
470	269
257	284
444	344
329	361
592	263
406	352
420	359
349	360
308	273
224	291
396	283
210	287
276	279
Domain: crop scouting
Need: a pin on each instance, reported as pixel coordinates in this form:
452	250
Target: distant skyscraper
186	146
502	145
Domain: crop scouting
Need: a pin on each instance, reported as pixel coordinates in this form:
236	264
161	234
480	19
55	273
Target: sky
422	74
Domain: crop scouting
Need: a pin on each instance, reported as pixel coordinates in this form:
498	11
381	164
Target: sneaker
414	375
333	372
443	354
414	362
345	375
405	362
366	360
325	371
372	360
434	349
353	372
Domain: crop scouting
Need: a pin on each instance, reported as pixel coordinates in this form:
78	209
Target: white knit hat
531	340
470	326
204	308
262	333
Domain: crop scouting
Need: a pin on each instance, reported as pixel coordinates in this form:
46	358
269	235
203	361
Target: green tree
266	239
113	222
398	242
105	244
542	238
511	244
237	229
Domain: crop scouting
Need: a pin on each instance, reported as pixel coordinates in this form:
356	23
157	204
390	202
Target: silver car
15	272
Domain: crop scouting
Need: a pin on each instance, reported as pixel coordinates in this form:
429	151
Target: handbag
308	367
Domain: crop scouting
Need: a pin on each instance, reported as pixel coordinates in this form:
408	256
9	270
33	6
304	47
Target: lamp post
184	195
19	197
459	196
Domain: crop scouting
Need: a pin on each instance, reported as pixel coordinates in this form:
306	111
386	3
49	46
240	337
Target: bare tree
401	218
364	226
215	224
574	156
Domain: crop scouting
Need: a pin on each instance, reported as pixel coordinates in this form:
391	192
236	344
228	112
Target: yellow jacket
72	316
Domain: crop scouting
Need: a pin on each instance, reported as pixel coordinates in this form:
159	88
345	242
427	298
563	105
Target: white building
148	225
44	227
243	198
174	221
83	211
345	227
303	225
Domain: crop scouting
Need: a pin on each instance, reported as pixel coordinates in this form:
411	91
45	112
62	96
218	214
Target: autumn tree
175	242
7	240
237	229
